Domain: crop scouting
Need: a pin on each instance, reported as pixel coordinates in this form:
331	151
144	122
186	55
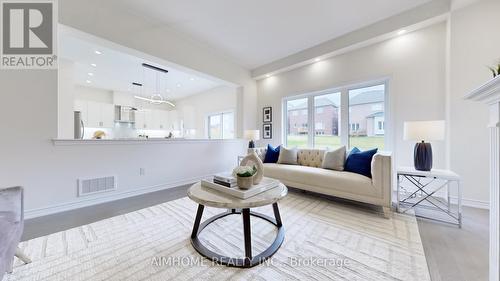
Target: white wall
66	89
195	109
475	43
414	64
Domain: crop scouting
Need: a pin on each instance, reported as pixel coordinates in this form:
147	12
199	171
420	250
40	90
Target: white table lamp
422	131
252	135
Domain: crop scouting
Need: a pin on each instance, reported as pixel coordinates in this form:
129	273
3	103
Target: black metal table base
249	260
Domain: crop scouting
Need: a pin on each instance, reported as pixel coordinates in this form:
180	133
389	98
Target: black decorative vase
423	156
251	144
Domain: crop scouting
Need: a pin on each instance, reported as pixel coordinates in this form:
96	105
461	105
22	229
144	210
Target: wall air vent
96	185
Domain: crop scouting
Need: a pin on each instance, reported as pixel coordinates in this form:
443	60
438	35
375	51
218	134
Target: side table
427	184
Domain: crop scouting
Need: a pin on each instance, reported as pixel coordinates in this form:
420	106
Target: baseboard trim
104	198
472	203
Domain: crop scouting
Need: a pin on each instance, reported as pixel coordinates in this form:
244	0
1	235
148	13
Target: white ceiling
257	32
117	70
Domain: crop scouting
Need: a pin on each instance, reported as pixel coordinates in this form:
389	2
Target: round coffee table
205	196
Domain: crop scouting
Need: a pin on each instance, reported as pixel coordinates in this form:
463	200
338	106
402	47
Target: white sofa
309	176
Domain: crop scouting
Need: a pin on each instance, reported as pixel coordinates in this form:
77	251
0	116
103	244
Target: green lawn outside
362	143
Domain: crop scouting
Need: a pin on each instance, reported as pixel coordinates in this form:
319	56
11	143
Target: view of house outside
366	119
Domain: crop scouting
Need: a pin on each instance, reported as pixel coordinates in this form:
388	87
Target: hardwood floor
457	254
452	253
54	223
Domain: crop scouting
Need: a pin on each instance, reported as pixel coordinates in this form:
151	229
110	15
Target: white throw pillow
335	159
288	156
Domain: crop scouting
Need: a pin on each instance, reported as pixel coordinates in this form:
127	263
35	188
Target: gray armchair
11	227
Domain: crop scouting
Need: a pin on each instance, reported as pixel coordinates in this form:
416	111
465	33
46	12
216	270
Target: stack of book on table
226	183
225	179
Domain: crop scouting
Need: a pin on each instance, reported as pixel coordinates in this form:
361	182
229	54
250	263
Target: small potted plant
244	176
495	70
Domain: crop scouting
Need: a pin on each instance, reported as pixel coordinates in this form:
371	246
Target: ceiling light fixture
155	99
267	75
88	81
90	74
98	52
317	59
192	78
93	65
402	31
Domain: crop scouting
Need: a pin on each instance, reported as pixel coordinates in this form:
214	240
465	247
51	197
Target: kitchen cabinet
107	115
140	120
96	114
151	119
164	120
160	120
172	118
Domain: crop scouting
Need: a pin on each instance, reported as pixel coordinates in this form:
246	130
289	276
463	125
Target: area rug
324	240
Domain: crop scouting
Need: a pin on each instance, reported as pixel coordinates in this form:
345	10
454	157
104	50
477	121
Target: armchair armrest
382	175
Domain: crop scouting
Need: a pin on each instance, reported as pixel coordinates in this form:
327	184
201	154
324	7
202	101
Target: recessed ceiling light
267	75
179	85
90	74
93	64
98	52
317	59
88	81
192	78
402	31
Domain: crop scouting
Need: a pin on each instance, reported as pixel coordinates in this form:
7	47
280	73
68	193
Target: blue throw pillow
360	162
272	154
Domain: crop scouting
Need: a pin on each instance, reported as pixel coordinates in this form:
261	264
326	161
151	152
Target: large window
327	120
297	130
351	116
221	125
366	116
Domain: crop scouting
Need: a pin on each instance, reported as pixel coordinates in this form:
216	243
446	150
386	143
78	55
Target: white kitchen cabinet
159	120
151	119
82	107
155	119
107	115
163	120
96	114
150	124
140	120
93	115
173	120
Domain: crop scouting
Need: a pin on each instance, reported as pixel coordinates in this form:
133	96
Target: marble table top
213	198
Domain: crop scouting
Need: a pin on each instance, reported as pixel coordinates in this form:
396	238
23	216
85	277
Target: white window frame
344	111
221	113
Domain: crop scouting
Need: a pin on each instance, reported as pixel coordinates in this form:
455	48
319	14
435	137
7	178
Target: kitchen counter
59	142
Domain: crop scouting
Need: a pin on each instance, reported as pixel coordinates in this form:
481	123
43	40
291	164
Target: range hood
125	114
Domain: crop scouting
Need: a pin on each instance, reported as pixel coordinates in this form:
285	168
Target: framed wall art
267	131
267	114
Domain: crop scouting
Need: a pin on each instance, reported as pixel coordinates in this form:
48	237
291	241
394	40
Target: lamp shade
424	130
252	135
